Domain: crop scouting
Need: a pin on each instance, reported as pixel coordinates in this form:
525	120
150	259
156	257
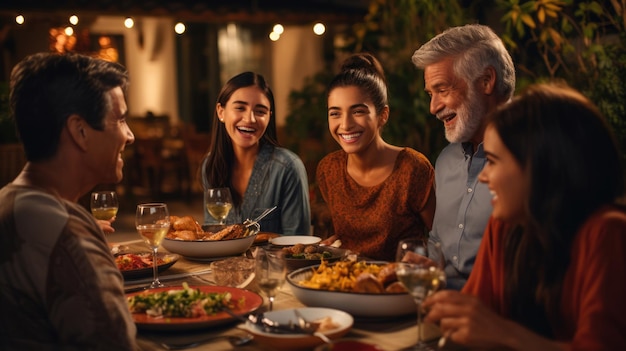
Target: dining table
387	333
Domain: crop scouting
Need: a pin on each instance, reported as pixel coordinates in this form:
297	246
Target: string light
319	28
278	29
69	31
74	20
19	19
129	22
274	36
179	28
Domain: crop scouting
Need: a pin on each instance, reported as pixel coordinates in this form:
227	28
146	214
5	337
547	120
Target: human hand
329	241
412	257
465	320
106	226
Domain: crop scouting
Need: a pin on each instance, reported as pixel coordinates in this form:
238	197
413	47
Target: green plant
580	42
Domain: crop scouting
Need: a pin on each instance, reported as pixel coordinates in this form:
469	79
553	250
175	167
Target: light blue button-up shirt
278	179
463	209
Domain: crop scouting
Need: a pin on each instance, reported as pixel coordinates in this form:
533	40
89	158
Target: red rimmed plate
251	302
169	260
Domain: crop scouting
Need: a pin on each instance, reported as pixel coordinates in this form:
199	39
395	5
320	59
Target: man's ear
78	130
488	80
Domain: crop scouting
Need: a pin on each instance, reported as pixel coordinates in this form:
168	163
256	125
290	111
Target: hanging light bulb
129	22
278	29
274	36
19	19
319	28
179	28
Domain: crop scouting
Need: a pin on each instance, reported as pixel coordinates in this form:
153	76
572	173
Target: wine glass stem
271	300
155	269
420	330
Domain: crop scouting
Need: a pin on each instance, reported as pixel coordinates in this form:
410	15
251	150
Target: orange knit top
371	220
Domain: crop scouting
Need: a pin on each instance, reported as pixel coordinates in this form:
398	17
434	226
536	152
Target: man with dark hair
60	287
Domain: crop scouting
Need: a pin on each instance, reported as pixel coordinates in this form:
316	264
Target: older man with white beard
467	73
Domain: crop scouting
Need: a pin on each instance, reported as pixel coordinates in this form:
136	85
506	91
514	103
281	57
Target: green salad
186	302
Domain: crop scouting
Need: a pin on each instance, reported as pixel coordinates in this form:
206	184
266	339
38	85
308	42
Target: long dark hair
566	147
219	159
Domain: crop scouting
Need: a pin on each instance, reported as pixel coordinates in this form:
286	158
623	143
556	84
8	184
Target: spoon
234	340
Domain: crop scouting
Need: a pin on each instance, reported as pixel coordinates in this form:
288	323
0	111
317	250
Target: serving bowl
211	249
274	341
365	305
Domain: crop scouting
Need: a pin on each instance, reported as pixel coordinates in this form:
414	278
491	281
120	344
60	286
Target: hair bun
364	62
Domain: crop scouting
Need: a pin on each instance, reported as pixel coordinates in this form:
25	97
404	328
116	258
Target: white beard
469	117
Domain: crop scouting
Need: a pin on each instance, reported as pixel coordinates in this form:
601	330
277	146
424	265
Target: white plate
290	240
342	319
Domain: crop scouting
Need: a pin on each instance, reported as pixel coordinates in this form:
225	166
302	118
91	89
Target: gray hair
473	47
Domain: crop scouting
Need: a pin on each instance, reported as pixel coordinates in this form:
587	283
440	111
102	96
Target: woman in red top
377	193
550	271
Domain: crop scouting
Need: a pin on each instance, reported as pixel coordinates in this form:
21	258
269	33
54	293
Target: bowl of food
362	288
194	243
235	271
306	255
331	322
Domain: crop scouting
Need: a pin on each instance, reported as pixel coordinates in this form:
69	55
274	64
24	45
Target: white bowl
290	240
357	304
210	249
300	341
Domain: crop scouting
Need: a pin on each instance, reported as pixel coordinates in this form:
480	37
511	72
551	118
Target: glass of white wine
421	277
270	272
153	222
104	204
218	202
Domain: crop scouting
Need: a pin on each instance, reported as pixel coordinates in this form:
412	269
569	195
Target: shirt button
461	226
469	190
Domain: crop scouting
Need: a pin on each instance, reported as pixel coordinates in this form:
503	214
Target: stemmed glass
218	202
421	277
270	272
104	204
153	222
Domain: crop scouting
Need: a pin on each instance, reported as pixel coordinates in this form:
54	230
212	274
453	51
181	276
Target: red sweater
593	300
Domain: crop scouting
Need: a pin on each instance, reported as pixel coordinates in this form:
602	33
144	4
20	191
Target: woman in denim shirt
245	156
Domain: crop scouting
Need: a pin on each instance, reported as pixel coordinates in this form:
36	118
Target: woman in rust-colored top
377	193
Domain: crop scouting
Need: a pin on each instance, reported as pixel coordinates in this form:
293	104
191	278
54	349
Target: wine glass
153	222
270	272
218	202
421	277
104	204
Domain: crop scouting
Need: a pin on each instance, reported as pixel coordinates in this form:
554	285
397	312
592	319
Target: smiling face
246	115
454	103
507	181
352	119
108	145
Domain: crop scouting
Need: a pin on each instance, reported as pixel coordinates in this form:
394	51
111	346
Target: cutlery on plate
248	222
310	327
